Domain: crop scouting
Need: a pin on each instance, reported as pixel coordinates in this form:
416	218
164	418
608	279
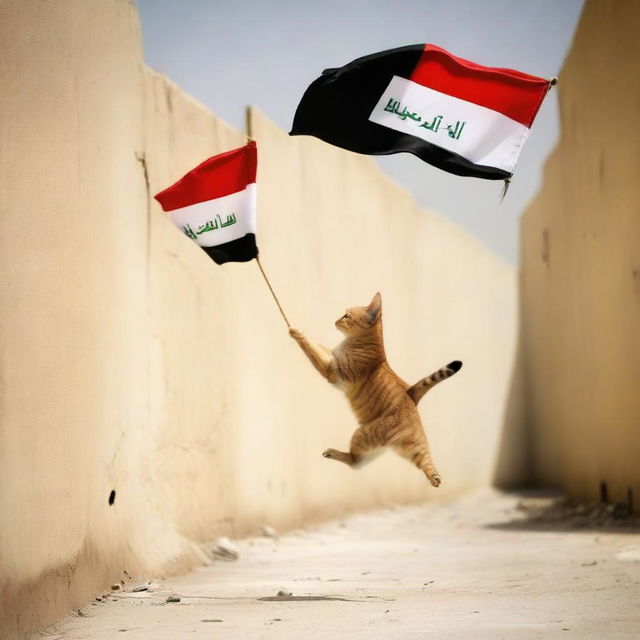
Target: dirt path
473	568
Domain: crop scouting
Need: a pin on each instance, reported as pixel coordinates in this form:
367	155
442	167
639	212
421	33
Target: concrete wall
132	363
581	269
76	403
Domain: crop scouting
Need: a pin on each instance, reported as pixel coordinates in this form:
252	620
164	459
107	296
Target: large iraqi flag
215	204
457	115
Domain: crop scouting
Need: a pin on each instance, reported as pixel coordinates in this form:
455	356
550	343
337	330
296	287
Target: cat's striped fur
384	405
422	386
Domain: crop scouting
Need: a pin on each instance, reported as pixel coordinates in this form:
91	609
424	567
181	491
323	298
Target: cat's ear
374	308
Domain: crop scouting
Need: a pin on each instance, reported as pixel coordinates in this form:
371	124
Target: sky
266	52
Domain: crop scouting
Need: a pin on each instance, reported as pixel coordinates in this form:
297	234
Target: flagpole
247	122
275	297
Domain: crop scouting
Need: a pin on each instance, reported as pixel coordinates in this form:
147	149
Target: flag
215	205
454	114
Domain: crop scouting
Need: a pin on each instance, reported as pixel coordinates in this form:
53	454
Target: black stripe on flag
239	250
337	105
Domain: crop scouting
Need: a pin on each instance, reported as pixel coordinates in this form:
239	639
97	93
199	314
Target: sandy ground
475	567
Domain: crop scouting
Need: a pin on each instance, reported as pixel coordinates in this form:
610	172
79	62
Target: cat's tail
422	386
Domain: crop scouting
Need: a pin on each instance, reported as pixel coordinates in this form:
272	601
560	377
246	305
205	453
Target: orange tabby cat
384	404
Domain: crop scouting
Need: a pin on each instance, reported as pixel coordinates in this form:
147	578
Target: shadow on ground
550	511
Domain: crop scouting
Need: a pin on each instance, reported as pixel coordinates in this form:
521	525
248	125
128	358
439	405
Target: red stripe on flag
507	91
216	177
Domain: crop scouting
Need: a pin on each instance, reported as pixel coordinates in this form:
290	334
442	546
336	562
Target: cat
385	406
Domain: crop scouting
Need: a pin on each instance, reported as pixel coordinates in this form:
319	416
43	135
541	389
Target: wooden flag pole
275	297
264	275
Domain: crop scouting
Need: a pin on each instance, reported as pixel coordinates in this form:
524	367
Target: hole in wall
112	497
604	492
635	276
544	251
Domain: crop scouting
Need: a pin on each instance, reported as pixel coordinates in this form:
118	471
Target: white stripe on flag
218	221
480	135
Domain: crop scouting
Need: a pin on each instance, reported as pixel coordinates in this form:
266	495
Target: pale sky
266	52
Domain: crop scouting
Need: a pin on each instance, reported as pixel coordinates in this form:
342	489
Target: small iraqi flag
215	205
455	114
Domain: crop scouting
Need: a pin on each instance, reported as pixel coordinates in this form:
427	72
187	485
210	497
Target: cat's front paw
327	453
295	334
435	479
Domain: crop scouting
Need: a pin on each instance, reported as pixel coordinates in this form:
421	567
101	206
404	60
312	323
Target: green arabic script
453	131
210	225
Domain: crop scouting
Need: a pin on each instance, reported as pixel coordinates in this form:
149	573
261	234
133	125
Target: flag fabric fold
215	205
457	115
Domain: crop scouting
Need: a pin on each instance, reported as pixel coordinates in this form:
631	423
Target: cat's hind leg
416	450
340	456
361	450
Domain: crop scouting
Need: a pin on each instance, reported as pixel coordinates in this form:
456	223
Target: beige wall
581	269
76	405
131	362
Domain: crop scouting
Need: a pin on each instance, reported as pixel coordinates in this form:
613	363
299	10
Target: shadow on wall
513	466
579	303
